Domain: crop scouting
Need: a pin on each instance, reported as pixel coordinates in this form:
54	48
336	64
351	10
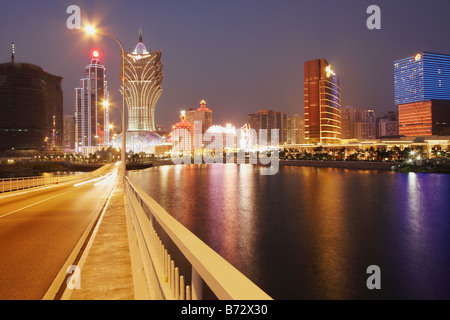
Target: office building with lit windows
269	120
31	108
91	108
295	133
422	94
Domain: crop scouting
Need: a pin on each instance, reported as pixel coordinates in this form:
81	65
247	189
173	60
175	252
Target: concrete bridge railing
163	277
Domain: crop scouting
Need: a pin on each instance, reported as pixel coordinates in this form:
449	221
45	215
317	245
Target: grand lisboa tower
143	77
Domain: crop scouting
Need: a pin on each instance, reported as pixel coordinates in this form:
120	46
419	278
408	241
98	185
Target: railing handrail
223	279
19	183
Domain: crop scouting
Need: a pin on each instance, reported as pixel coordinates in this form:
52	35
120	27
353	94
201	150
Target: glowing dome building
143	78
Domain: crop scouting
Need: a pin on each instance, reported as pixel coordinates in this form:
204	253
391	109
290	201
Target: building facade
91	108
268	120
143	78
422	94
183	135
387	125
424	118
322	103
295	130
69	141
31	108
202	114
358	123
424	76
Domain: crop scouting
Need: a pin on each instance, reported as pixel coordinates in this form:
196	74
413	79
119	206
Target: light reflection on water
311	233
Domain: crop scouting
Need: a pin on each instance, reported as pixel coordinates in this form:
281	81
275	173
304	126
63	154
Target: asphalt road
38	232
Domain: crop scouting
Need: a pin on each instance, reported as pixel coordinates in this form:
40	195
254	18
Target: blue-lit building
424	76
422	94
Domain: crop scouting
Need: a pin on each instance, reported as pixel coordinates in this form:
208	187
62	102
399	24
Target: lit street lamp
91	30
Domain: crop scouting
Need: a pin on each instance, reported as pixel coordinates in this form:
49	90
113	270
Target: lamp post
91	30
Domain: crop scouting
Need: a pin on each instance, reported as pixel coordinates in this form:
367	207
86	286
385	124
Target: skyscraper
322	103
143	77
422	94
295	130
31	107
202	114
91	108
69	132
358	123
424	76
268	120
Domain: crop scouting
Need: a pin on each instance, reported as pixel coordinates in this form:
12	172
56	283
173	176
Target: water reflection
311	233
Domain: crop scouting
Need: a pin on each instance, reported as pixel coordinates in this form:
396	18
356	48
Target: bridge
99	236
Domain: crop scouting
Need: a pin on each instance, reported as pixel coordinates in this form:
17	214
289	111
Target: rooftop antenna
140	34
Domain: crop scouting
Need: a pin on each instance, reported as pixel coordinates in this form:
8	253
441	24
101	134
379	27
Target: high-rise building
143	77
424	118
268	120
422	94
202	114
422	77
91	108
322	103
295	130
387	125
349	117
358	123
366	125
183	135
31	107
69	141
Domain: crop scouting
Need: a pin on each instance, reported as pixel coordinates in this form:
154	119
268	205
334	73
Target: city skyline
265	41
300	140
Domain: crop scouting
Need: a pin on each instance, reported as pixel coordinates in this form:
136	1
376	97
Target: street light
91	31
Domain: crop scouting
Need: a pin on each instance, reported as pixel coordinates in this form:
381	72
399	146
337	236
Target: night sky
238	55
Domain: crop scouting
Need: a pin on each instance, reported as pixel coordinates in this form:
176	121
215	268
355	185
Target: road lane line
33	204
57	290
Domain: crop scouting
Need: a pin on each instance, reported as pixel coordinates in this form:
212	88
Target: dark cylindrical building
31	108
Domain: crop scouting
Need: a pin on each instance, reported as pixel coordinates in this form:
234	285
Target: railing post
188	293
182	288
197	285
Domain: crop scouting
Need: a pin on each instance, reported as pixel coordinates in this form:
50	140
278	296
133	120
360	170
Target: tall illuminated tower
143	77
422	94
322	103
91	109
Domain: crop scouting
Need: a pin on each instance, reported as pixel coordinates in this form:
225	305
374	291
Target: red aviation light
95	54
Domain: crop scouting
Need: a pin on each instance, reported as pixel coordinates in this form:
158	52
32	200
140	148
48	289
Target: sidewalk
106	273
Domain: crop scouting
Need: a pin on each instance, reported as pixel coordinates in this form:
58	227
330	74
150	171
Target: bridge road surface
40	229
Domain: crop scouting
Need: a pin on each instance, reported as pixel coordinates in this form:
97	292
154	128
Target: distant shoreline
15	171
357	165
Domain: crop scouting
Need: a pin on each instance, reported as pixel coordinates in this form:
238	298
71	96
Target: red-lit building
322	103
424	118
182	135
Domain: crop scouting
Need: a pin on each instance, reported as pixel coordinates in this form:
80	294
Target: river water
311	233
